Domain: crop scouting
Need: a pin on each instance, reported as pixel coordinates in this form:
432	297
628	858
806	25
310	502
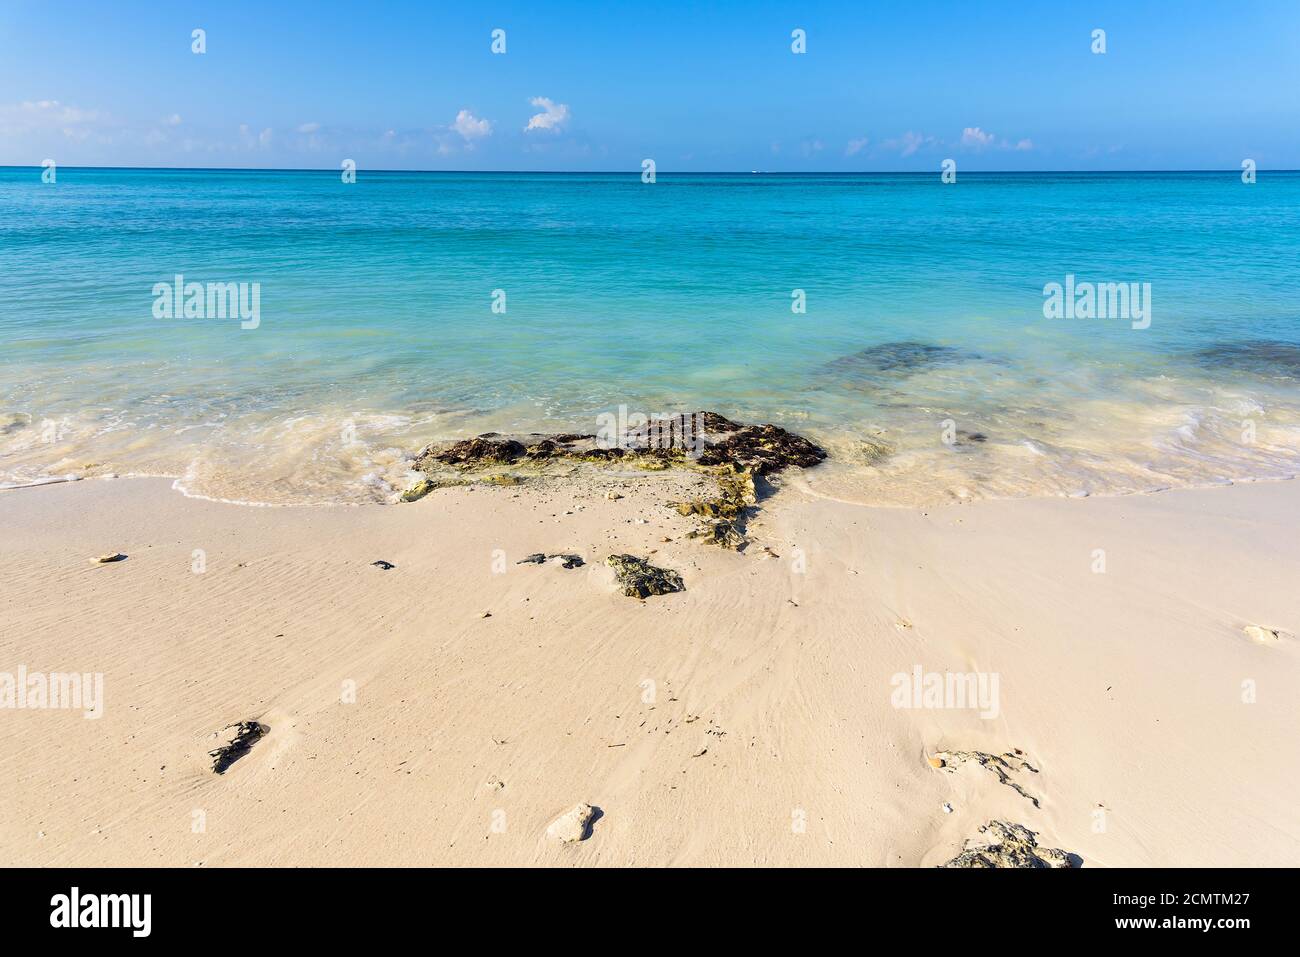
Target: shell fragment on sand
110	557
572	826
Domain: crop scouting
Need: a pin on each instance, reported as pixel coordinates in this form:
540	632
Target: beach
447	709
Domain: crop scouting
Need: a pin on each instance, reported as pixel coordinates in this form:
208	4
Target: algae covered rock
726	534
478	451
763	450
419	490
640	579
1006	845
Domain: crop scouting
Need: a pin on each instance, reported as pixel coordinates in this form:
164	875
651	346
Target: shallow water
924	323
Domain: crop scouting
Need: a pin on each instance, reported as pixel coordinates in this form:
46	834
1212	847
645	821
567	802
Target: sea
1002	335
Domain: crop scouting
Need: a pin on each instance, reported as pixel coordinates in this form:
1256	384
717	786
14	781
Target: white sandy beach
768	736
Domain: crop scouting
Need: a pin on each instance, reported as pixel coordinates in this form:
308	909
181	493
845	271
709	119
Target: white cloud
249	140
470	126
856	146
553	116
35	115
309	128
1024	145
174	120
909	143
975	137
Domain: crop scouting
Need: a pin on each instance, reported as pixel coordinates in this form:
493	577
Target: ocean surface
923	359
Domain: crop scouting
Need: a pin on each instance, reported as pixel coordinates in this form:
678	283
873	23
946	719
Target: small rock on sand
110	557
640	579
574	825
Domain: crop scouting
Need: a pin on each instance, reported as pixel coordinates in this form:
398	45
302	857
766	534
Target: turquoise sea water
924	320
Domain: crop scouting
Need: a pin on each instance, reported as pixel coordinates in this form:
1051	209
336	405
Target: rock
1002	765
640	579
662	443
947	808
419	490
724	534
1010	845
383	564
480	450
246	734
110	557
613	496
572	826
763	450
873	452
485	614
566	561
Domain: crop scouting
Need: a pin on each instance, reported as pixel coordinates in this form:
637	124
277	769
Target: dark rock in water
706	438
383	564
540	558
247	733
763	450
480	450
1263	357
896	357
1011	845
640	579
963	437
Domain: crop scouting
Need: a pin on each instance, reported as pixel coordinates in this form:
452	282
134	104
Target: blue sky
1184	84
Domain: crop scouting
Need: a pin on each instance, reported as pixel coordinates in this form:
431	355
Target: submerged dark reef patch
1264	357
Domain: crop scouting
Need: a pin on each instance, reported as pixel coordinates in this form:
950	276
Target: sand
449	709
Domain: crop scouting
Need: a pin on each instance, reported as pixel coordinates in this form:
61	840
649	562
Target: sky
1182	84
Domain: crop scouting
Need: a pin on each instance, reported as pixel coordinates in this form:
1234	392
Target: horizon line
637	172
